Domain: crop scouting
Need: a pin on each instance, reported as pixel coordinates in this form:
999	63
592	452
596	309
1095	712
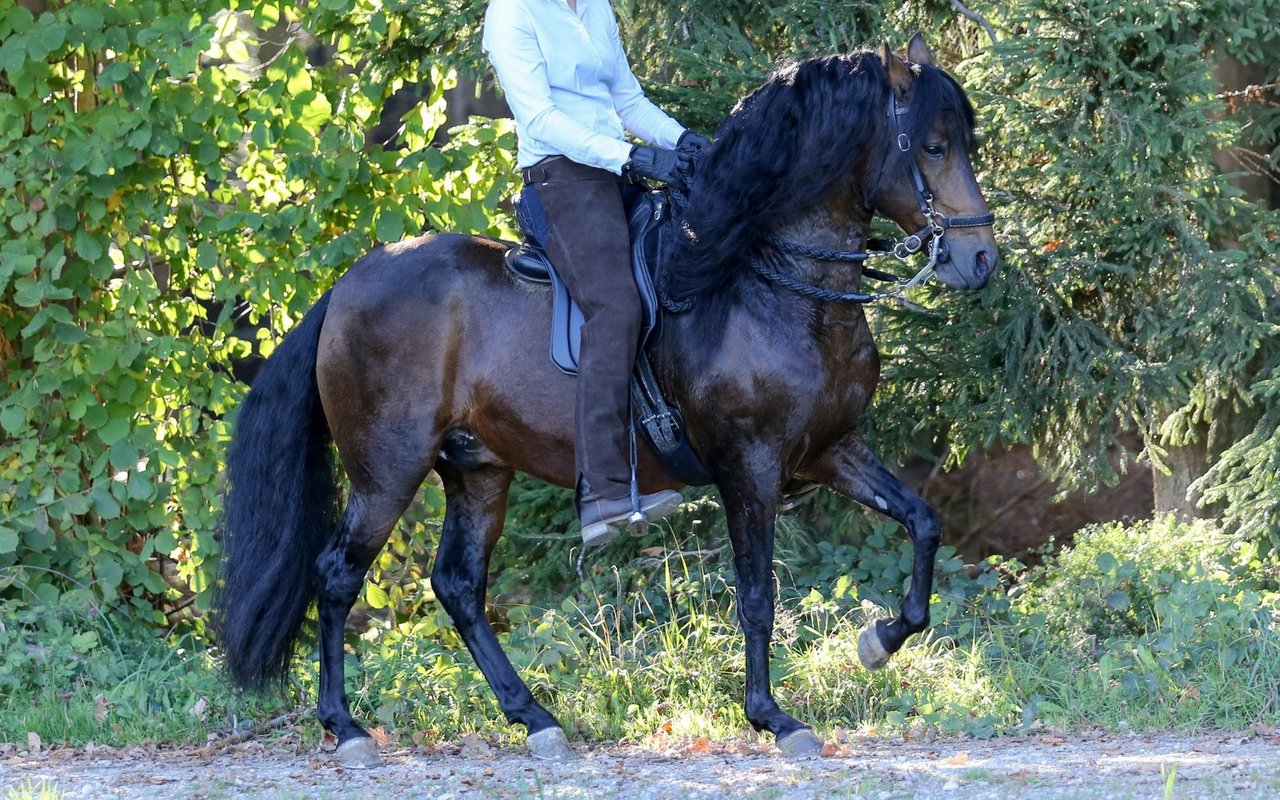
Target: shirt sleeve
639	115
512	47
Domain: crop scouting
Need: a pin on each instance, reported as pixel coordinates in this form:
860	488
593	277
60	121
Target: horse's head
927	185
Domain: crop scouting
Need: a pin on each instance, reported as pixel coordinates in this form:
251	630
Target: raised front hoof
803	743
871	651
550	744
359	753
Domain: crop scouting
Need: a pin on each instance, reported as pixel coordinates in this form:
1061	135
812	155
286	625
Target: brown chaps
589	242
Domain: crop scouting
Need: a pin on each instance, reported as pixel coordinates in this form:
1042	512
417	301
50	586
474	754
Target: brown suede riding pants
589	242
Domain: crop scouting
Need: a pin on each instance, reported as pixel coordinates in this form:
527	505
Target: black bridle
936	225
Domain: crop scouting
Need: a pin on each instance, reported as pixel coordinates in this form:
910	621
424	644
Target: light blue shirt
568	83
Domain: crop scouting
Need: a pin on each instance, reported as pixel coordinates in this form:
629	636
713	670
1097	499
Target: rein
933	232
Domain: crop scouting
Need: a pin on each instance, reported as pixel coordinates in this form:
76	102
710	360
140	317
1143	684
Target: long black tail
280	508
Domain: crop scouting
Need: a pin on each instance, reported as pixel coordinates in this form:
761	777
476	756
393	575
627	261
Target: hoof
803	743
870	651
359	753
550	744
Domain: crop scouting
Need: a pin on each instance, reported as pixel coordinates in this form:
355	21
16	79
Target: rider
573	96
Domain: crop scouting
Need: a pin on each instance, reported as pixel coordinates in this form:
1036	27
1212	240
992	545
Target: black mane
786	147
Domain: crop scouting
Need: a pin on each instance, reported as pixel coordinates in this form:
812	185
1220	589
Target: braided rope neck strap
767	267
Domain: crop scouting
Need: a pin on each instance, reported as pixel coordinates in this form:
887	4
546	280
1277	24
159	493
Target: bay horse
428	354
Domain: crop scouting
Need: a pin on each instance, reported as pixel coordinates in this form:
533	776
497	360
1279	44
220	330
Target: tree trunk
1186	464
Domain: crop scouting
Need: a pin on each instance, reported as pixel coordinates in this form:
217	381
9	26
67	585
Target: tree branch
978	18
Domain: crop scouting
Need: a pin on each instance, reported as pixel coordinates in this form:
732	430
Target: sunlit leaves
171	180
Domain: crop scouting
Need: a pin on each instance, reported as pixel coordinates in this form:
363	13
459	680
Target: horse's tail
279	509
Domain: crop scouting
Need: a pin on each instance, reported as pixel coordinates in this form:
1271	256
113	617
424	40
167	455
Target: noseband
936	226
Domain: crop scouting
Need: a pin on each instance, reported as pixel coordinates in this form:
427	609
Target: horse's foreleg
750	506
476	503
852	469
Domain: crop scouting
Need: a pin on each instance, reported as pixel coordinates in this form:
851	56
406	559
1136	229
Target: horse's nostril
944	252
982	265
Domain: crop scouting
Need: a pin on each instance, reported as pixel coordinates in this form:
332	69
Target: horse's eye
934	151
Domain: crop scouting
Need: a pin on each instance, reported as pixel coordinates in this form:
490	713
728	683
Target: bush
1159	623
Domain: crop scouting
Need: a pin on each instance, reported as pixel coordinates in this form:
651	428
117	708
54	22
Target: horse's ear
918	51
899	73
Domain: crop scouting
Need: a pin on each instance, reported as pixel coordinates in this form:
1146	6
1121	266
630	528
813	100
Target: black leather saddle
661	423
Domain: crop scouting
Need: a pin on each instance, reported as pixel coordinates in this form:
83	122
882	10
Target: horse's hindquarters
431	343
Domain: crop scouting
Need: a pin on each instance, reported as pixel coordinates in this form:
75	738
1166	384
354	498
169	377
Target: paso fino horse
428	354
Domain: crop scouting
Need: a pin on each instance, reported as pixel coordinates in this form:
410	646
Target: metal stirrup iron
636	523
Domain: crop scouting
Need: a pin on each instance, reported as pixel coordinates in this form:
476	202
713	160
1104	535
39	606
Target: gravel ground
1048	767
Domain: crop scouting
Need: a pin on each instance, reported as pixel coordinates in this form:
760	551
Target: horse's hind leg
475	505
372	511
852	469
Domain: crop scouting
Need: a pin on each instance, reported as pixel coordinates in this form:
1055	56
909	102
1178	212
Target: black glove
693	141
660	164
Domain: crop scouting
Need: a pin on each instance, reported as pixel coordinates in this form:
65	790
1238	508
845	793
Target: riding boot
589	242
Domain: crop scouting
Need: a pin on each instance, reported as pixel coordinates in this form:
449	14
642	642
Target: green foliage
44	790
73	673
1136	289
1151	625
180	182
1246	478
1193	643
169	176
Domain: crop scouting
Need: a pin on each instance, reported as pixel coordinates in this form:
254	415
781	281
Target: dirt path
1047	767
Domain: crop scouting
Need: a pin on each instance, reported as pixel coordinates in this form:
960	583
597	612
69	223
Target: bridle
768	264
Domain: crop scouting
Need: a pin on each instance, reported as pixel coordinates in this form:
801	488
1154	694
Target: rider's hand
658	163
695	142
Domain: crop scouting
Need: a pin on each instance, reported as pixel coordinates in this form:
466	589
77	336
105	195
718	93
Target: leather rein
932	233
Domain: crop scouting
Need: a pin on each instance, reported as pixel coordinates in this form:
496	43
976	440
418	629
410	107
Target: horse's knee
755	611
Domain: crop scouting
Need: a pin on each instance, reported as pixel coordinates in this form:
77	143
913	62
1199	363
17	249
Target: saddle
661	423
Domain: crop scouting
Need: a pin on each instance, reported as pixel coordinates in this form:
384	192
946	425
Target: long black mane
786	147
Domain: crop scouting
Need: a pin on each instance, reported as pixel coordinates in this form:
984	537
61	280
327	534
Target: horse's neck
819	230
748	302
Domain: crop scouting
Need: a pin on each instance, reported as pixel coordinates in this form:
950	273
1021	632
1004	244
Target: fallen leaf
199	709
33	742
380	737
700	745
665	727
1054	740
473	745
959	759
834	750
101	708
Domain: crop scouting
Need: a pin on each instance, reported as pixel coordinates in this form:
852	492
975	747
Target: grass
42	790
1153	627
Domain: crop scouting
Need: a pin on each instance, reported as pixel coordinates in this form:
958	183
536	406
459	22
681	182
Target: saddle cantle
661	423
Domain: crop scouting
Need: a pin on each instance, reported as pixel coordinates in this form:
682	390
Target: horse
429	355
